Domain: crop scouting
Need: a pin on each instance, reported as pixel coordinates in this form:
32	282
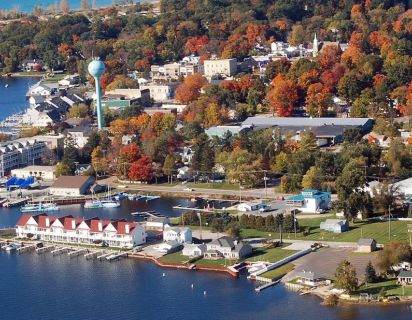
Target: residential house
228	248
31	65
71	186
403	187
183	173
156	223
194	250
40	89
67	229
313	201
160	92
80	135
366	245
181	235
128	139
69	80
405	278
335	225
169	247
249	206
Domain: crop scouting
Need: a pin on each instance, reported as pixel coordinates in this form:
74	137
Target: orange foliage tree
318	100
283	97
189	90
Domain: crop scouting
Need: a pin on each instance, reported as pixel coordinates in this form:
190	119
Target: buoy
164	275
192	285
204	292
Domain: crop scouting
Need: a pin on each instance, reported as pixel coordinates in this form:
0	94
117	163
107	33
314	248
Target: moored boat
40	207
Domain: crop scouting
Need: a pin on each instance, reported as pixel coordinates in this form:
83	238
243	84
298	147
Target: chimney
127	228
100	226
47	222
73	224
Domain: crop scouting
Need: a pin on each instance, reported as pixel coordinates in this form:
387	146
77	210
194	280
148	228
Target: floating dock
28	248
60	250
77	253
45	249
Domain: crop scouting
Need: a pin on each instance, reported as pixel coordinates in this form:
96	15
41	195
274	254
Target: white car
188	189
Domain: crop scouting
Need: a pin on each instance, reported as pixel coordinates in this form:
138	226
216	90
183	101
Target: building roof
240	246
308	275
71	182
405	274
334	222
263	121
309	194
366	242
36	168
225	242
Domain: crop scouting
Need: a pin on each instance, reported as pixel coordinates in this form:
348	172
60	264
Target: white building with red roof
68	229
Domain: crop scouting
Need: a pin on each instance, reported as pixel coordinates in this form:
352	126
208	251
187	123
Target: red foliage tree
189	90
141	169
130	152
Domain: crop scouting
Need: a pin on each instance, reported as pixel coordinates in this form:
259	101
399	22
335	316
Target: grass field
376	229
220	262
390	288
218	186
270	255
278	272
176	257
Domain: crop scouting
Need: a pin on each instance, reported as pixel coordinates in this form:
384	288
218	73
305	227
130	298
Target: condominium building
114	233
19	153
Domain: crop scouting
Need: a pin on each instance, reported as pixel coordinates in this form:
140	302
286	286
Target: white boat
150	198
40	207
12	247
94	204
108	203
6	85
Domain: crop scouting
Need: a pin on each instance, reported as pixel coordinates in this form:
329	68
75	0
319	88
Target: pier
27	248
77	253
15	203
45	249
92	255
60	250
195	209
267	285
115	256
104	256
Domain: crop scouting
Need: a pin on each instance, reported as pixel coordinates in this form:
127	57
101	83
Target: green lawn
373	228
176	257
278	272
218	186
391	288
220	262
270	255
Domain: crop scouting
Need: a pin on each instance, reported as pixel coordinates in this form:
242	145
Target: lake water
42	287
28	5
13	98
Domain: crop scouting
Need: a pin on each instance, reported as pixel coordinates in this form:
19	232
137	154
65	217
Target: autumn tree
312	179
277	67
80	110
346	277
329	56
283	97
393	253
99	162
84	5
169	167
318	100
189	90
141	169
64	6
122	82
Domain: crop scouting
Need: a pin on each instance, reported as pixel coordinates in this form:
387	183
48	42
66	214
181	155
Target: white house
194	250
156	223
80	135
71	186
181	235
225	67
404	187
309	200
39	89
68	229
183	173
40	172
226	247
168	247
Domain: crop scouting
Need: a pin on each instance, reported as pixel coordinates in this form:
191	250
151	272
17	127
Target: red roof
67	222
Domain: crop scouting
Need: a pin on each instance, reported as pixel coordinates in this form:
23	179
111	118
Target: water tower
96	69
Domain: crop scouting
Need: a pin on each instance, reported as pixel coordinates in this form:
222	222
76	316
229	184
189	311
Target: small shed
335	225
366	245
405	278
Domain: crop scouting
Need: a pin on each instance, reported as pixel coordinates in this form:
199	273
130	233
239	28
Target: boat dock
92	255
77	253
104	256
267	285
14	203
60	250
115	256
28	248
194	209
45	249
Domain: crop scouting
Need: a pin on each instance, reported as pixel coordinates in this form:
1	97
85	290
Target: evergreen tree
370	273
346	277
279	220
270	223
169	166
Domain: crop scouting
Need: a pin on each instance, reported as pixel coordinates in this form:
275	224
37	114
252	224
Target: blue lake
28	5
42	287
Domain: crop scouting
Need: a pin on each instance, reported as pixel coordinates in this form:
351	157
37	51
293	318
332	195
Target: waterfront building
71	186
39	89
312	201
335	225
156	223
223	67
405	277
194	250
309	278
114	233
45	173
249	206
80	135
19	152
180	235
226	247
114	97
169	247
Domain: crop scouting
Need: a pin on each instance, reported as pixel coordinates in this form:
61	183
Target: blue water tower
96	69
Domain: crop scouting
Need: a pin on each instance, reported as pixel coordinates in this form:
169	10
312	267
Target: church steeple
315	47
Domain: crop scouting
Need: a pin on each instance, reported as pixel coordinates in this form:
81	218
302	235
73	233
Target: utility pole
266	189
294	221
200	218
389	222
240	193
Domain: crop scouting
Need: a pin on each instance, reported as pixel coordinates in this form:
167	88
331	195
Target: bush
331	300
